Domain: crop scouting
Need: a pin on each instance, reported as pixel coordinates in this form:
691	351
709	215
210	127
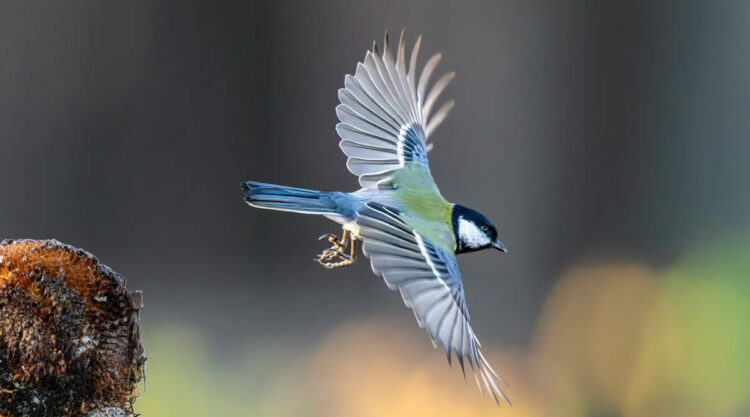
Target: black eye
484	229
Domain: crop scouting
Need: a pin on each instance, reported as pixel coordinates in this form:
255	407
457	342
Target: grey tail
279	197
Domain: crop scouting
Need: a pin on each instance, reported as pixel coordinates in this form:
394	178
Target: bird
408	230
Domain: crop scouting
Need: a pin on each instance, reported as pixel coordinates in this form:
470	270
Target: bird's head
473	231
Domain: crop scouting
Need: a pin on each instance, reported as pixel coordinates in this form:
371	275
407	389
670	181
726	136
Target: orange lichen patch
69	332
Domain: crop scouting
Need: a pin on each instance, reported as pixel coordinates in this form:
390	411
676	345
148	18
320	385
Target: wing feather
367	84
439	117
429	67
364	111
368	151
389	72
357	89
359	166
383	106
367	125
376	77
384	64
363	138
435	92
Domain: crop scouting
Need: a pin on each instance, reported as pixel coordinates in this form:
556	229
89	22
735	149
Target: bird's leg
337	244
337	251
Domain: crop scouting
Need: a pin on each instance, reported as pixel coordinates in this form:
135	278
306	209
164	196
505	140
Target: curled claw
335	256
329	254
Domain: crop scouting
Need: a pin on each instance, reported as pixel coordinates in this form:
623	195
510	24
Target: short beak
499	246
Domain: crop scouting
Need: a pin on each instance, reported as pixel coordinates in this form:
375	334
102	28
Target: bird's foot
335	256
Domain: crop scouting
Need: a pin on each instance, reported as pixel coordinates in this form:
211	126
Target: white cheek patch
470	234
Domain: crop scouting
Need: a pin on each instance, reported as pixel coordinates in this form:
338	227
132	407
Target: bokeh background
608	142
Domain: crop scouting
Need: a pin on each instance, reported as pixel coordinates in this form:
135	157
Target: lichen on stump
69	333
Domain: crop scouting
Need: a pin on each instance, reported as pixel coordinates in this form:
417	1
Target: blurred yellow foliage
588	335
373	369
695	360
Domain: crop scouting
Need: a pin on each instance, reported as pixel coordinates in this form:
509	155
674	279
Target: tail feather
279	197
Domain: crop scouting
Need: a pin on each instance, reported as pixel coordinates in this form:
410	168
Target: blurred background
607	141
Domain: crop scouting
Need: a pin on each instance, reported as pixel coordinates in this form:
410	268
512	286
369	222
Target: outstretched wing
385	113
430	283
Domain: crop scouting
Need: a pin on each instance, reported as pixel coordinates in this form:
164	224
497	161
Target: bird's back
422	206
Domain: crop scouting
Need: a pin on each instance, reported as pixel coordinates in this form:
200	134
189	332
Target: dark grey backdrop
582	129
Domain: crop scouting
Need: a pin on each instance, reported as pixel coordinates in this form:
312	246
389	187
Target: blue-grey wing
385	114
430	284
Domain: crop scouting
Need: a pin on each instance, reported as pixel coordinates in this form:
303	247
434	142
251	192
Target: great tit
408	230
